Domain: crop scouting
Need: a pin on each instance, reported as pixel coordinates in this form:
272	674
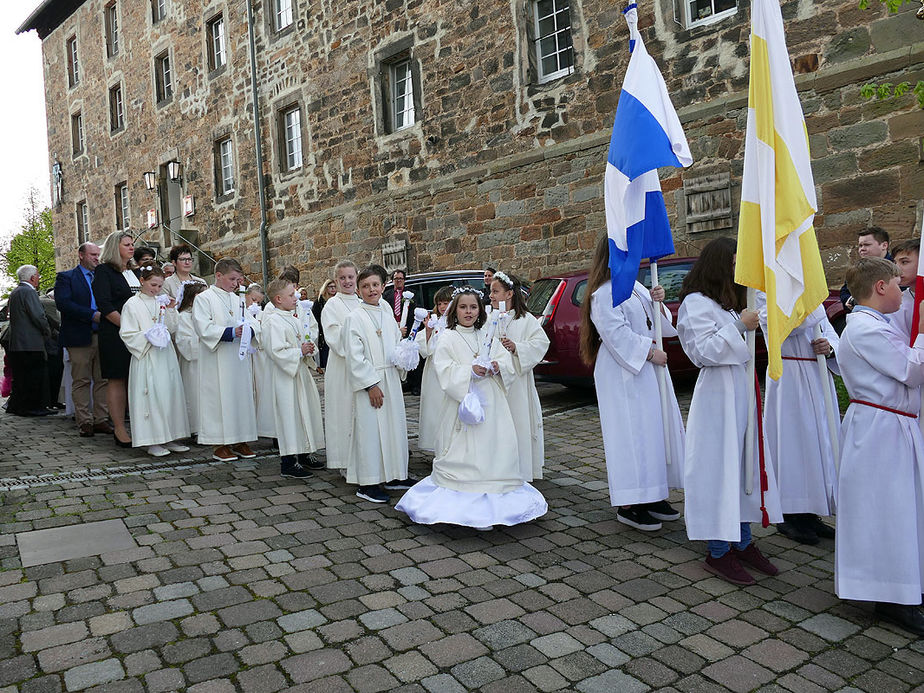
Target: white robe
296	403
796	421
338	395
227	410
476	479
262	382
187	346
155	387
630	401
378	437
431	394
879	547
715	500
532	343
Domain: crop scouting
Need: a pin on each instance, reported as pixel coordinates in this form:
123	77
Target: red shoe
728	568
754	558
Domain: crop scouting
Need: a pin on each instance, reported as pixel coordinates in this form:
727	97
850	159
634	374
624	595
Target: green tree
887	90
34	244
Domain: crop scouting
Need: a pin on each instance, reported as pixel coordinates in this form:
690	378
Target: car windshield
670	277
541	293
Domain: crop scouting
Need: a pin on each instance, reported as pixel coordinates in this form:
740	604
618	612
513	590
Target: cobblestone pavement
244	581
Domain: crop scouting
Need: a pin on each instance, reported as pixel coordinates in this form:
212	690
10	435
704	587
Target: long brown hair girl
599	273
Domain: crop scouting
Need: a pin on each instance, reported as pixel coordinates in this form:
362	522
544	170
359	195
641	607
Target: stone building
451	133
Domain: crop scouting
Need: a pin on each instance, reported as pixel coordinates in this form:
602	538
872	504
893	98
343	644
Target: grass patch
843	399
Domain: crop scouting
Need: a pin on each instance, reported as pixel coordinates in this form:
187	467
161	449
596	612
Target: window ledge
218	71
226	198
556	75
712	19
415	129
164	102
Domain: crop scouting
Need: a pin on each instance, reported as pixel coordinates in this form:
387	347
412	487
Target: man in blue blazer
79	325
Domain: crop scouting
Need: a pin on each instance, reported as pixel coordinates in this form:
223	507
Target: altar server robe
629	400
338	394
262	382
155	387
715	500
431	394
226	400
378	437
187	346
480	458
296	403
532	343
796	422
879	547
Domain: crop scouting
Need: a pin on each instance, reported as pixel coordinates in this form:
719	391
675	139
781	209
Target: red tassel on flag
764	482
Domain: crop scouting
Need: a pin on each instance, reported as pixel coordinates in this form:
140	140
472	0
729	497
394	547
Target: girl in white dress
523	336
155	388
619	343
476	478
711	324
187	346
431	394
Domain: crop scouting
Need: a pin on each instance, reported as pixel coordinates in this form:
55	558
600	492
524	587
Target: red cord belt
798	358
888	409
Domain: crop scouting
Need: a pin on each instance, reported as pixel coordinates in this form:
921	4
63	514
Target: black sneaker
824	531
310	461
902	615
401	484
294	471
374	494
636	516
661	510
794	528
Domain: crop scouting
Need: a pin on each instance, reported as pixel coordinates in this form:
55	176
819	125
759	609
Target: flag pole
833	416
661	371
751	338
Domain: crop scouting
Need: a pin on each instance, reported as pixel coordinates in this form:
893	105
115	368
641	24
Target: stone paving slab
77	541
243	581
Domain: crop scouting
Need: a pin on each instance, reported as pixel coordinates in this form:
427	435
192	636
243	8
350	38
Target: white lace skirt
427	504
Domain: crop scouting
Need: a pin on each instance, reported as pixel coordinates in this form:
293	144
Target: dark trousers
55	365
30	381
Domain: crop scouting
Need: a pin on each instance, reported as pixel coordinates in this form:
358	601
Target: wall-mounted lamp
150	180
174	171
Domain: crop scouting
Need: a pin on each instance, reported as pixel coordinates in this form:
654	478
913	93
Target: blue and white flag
646	134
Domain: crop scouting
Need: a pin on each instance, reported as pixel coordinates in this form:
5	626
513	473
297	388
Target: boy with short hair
378	438
879	549
296	403
905	256
227	409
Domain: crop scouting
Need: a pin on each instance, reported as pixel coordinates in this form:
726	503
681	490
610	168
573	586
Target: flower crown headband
503	279
467	290
148	268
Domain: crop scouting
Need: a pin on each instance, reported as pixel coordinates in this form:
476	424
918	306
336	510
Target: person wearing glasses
182	258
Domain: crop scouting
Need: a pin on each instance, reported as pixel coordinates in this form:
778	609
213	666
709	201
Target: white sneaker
177	447
158	450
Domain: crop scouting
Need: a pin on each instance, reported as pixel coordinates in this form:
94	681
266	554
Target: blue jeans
717	548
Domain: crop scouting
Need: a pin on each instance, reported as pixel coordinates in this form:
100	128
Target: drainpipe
258	139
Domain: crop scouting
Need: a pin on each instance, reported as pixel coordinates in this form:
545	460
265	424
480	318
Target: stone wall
498	169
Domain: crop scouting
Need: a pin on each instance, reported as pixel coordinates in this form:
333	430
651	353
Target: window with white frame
402	95
217	50
158	10
73	65
112	29
704	12
282	14
77	133
552	39
83	222
116	109
291	123
123	214
224	166
163	80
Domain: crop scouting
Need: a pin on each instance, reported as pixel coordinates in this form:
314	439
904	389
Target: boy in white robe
227	408
155	388
905	256
796	427
338	395
187	347
262	393
378	432
521	335
879	548
296	403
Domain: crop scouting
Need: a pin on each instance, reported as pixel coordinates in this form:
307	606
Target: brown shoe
102	427
728	568
86	430
223	454
754	558
243	450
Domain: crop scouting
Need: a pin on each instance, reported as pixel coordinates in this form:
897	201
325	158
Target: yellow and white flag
777	249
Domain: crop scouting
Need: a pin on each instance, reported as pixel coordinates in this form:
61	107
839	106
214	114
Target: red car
556	302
